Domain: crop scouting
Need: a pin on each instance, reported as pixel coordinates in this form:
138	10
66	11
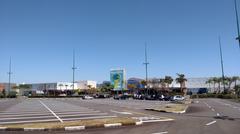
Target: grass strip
171	108
87	123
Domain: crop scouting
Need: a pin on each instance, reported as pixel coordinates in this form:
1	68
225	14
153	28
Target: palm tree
225	81
89	86
209	82
163	84
144	83
218	81
23	88
60	85
132	87
66	86
215	80
237	90
168	80
181	80
235	79
228	81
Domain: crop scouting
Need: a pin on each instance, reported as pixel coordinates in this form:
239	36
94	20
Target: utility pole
223	77
9	76
146	66
73	68
236	11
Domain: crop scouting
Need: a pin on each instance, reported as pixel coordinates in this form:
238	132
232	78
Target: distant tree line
161	84
230	83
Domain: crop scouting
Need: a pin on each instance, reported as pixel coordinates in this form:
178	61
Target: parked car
102	96
152	97
178	98
161	97
138	96
120	97
62	95
168	98
87	97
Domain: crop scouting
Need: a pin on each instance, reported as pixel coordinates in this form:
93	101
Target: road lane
200	118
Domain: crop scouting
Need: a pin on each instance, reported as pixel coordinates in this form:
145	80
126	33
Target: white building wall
66	86
53	86
86	83
190	83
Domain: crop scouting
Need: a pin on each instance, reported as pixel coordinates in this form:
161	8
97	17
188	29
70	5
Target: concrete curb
181	112
72	128
112	125
175	112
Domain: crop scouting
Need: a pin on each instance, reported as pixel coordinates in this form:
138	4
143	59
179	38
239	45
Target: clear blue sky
182	37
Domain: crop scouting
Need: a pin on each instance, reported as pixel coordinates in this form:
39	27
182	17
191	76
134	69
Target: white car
87	97
178	98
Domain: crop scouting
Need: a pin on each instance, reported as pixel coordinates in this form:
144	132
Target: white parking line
33	117
51	111
50	116
213	110
126	113
84	118
206	104
210	123
161	132
28	121
43	113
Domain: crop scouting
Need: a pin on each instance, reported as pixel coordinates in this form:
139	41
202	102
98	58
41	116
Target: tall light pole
236	11
73	68
146	66
220	49
9	76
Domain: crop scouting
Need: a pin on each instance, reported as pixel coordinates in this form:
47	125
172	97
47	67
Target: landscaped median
177	107
72	125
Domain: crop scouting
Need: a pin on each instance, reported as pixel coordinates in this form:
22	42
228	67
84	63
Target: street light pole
236	11
73	68
9	76
220	49
146	66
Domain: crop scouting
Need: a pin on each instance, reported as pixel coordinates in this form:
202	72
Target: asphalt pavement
204	116
47	110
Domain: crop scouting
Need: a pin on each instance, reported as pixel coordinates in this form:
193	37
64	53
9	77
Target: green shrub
1	95
193	96
228	96
220	96
12	94
211	95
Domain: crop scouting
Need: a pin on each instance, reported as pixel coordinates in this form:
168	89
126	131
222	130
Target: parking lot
15	111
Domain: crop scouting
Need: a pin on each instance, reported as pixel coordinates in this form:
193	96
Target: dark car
168	98
151	97
120	97
100	96
139	96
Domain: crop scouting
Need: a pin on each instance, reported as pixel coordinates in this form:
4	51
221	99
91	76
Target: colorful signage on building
117	78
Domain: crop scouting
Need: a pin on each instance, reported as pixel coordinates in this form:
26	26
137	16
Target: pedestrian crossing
32	111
